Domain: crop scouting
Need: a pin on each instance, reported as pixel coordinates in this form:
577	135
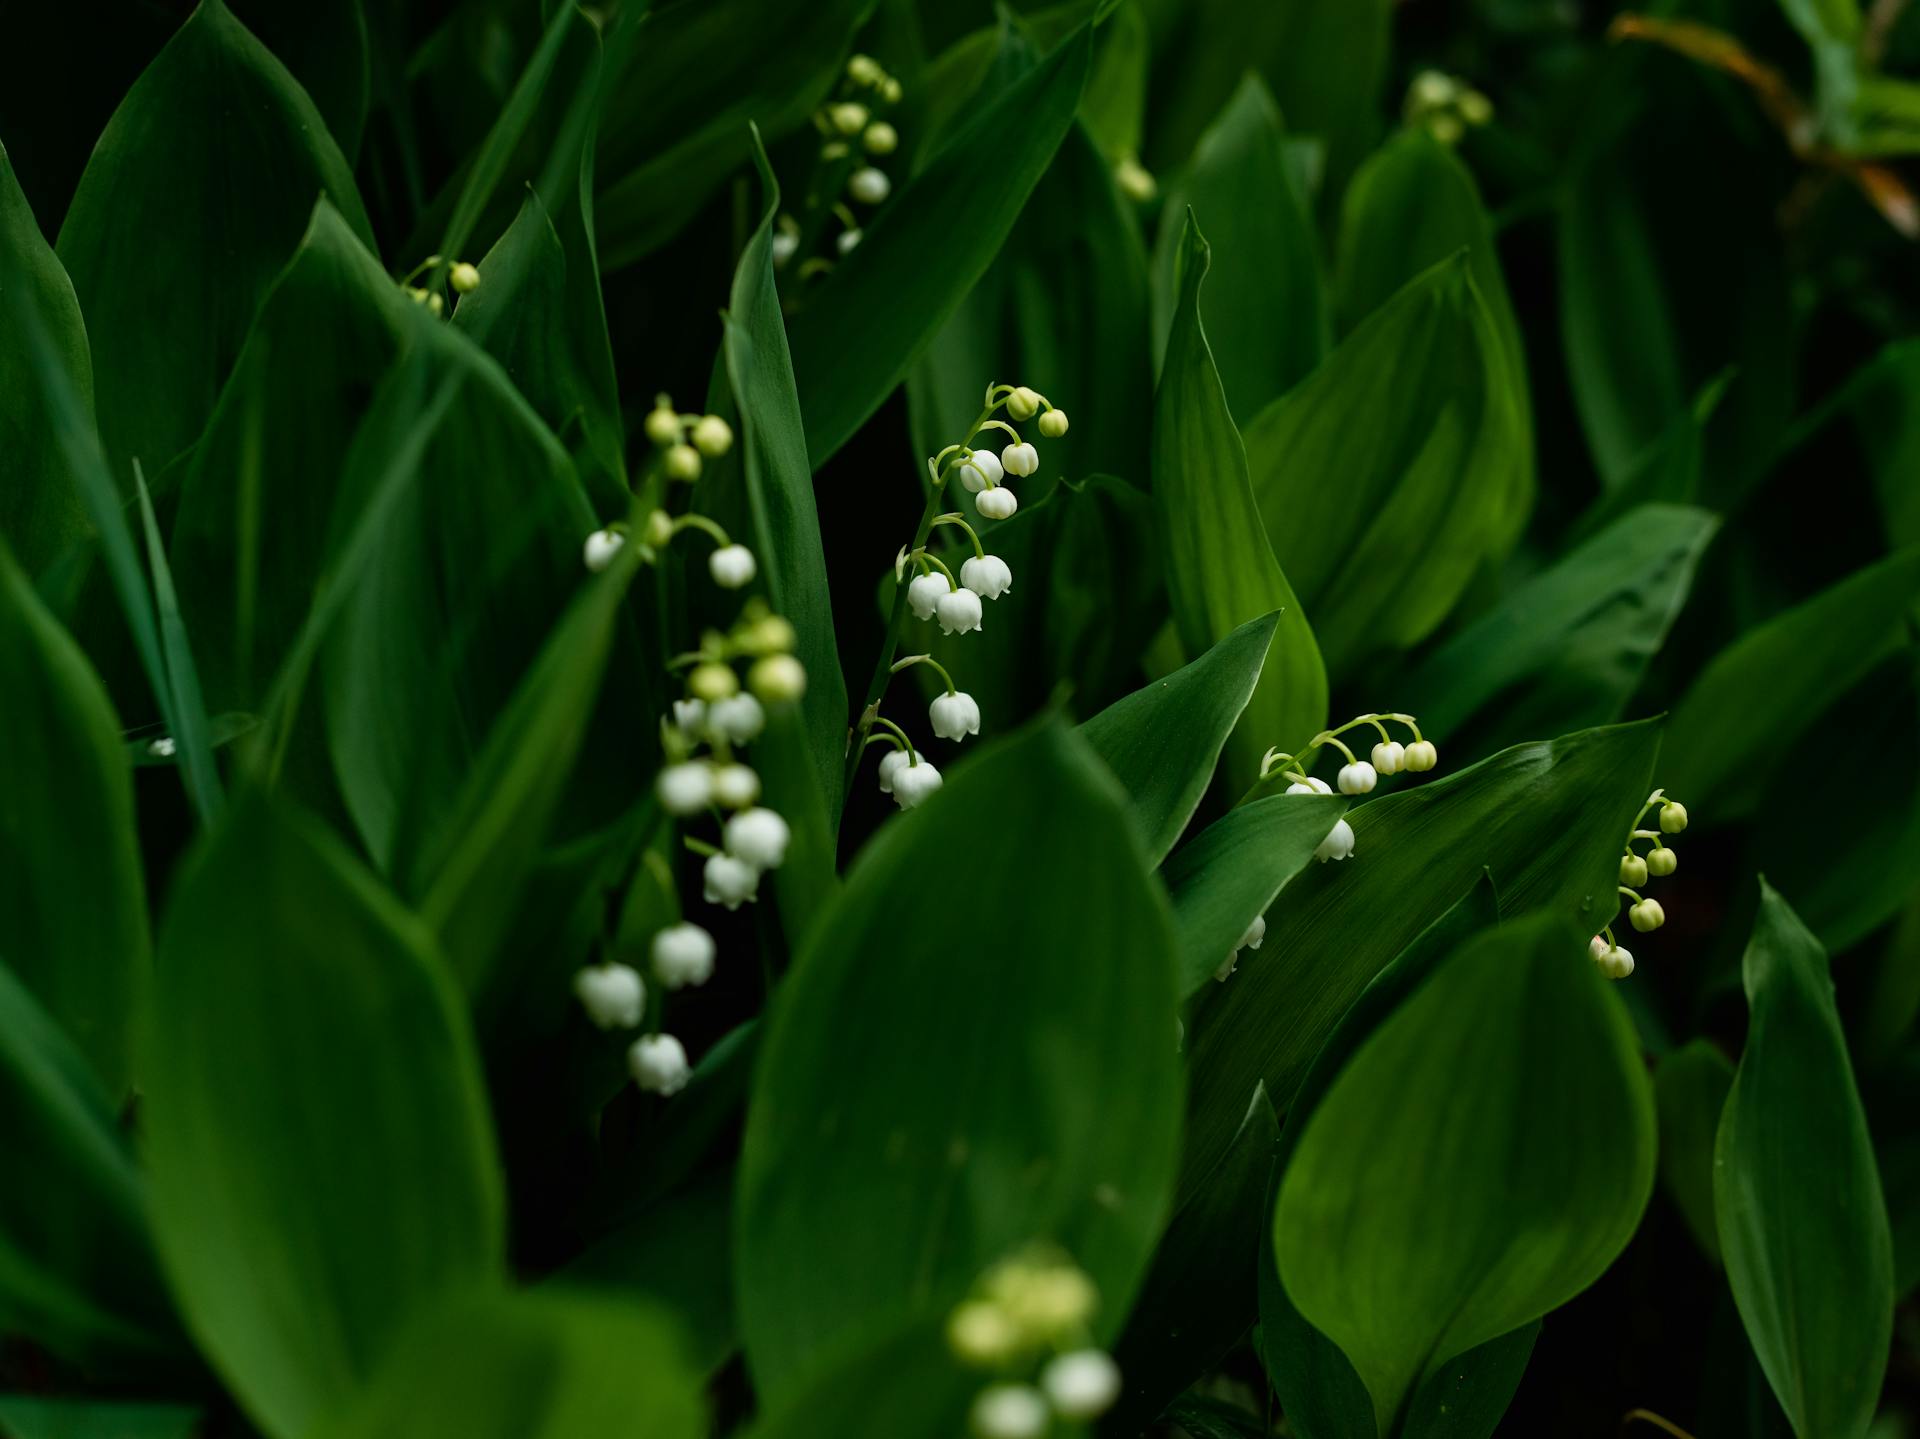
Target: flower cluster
614	996
1645	915
854	139
1027	1322
1446	106
935	593
1357	776
462	278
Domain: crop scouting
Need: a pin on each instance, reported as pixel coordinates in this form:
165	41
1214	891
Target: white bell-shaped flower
913	782
735	785
998	503
738	717
1617	963
600	548
890	764
1227	967
685	788
987	576
1389	757
955	716
1082	1384
1337	845
979	469
784	245
732	566
730	881
1021	459
758	836
923	594
958	612
1256	934
1009	1411
1357	778
683	956
1597	948
613	995
658	1064
1309	785
690	716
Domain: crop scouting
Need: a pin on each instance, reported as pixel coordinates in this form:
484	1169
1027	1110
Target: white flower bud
1309	785
848	117
658	1064
955	716
730	881
662	425
712	436
1633	869
958	611
987	576
1227	967
1023	403
890	763
1337	845
1389	757
778	679
869	185
784	244
163	748
682	956
1009	1411
997	503
732	566
685	788
1256	934
1021	459
846	240
913	782
1081	1385
600	548
735	785
690	716
682	463
880	138
1647	915
1053	424
1597	948
1673	817
758	836
979	469
1357	778
1662	862
739	718
1421	756
464	278
923	594
613	995
713	681
1617	963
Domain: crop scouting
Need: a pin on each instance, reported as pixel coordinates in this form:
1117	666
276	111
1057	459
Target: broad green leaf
1397	469
862	328
1018	1062
1326	64
676	123
543	1365
325	46
1803	1227
1410	206
1064	308
29	1417
1467	1397
1268	326
1221	571
77	1268
1234	869
905	1383
1163	740
1198	1298
182	221
1569	646
468	883
307	1050
1690	1088
1509	1151
41	512
1546	819
778	508
539	310
1768	687
73	914
1322	1395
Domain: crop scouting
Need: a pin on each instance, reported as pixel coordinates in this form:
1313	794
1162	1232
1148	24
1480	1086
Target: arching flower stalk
1644	914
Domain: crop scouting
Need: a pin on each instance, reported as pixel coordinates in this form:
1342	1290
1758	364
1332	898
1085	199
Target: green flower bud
1673	817
683	463
712	682
778	679
1662	862
1633	870
464	278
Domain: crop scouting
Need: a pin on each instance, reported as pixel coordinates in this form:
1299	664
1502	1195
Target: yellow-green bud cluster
1446	106
1028	1322
684	439
1659	861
